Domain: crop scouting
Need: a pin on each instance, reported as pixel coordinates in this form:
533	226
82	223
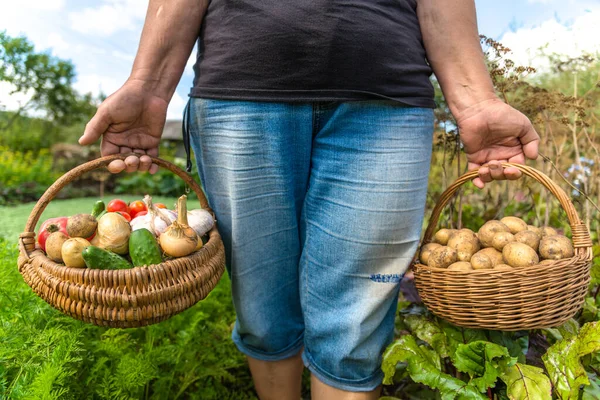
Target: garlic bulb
156	220
201	221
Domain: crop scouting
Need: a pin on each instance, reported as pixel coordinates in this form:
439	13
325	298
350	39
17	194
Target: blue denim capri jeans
320	206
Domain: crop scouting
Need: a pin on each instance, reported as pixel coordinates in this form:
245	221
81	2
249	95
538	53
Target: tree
46	79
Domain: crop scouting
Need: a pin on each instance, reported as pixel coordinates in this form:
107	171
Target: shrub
24	175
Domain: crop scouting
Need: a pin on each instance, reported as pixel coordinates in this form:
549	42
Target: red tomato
117	205
141	213
136	207
125	215
159	205
49	226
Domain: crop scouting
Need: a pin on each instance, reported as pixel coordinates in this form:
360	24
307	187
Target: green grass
13	218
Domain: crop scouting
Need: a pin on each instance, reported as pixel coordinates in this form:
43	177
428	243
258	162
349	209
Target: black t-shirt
312	50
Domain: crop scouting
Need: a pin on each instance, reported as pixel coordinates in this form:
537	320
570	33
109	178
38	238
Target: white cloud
96	84
38	4
110	17
176	106
529	45
13	101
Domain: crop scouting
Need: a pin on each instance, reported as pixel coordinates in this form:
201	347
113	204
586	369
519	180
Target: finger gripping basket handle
580	233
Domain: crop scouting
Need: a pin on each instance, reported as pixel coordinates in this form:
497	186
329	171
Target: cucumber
143	248
98	258
98	208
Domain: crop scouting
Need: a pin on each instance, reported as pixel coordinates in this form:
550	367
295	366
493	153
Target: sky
100	37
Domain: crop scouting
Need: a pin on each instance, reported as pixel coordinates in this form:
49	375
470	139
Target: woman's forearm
451	39
170	31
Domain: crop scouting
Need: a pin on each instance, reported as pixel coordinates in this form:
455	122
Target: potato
556	247
535	230
443	235
503	267
465	243
515	224
488	230
494	255
442	257
460	266
546	262
426	251
81	225
54	246
519	255
481	261
548	231
529	238
71	252
501	239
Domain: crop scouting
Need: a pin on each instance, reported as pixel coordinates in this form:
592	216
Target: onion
201	221
113	233
179	239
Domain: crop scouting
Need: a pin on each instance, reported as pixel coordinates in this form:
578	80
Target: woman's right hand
129	120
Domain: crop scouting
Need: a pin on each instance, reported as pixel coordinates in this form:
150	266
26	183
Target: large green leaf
562	360
481	361
592	392
517	343
423	370
569	329
525	382
456	335
428	331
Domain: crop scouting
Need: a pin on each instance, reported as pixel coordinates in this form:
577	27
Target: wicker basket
121	298
540	296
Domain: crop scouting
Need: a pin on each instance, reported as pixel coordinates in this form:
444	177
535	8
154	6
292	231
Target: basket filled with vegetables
123	265
509	275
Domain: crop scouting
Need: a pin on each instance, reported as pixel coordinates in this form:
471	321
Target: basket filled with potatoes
509	274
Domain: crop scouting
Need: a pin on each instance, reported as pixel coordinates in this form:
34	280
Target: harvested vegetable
460	266
465	243
179	239
71	252
515	224
481	261
50	226
442	257
443	235
201	221
519	255
156	220
501	239
144	249
426	251
54	245
113	233
97	258
81	225
556	247
488	231
494	255
530	238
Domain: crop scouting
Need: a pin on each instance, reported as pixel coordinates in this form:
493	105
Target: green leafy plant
47	355
462	363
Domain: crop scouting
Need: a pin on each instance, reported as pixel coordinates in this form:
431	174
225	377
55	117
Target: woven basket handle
98	163
580	234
